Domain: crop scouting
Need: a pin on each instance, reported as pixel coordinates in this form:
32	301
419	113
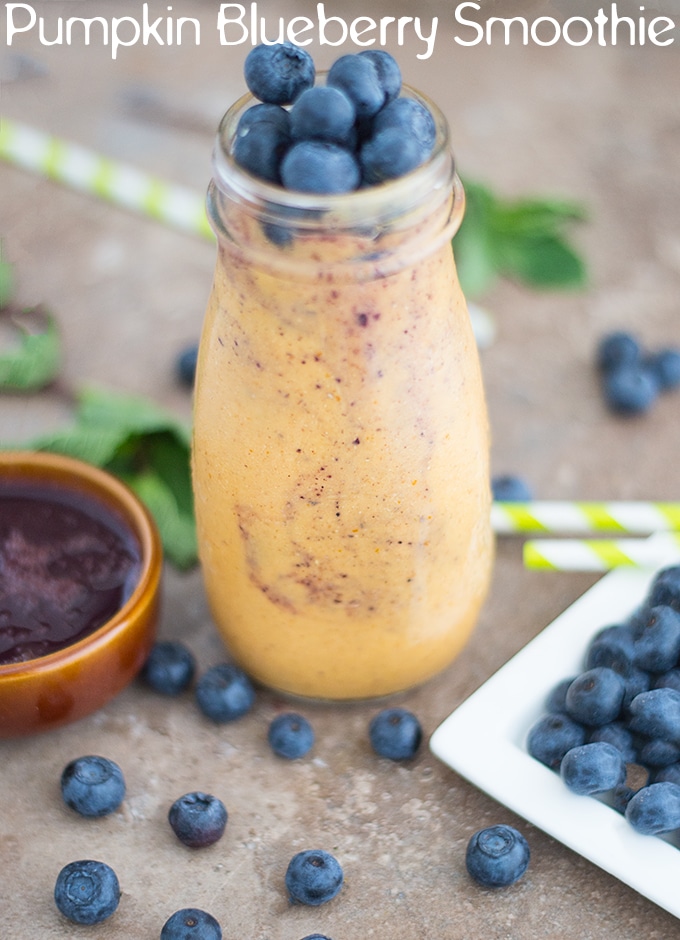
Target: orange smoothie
340	453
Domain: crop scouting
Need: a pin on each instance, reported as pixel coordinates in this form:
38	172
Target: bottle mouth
385	204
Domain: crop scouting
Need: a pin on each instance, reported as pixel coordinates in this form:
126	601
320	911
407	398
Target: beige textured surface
598	125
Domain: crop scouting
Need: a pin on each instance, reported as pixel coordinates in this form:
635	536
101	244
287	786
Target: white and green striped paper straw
90	172
584	518
601	554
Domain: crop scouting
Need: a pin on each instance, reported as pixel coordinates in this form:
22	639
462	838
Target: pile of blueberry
632	377
618	722
354	131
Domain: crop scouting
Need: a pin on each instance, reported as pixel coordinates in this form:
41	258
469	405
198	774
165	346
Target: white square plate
484	741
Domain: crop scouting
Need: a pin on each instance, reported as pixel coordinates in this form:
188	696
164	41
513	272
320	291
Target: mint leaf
176	527
131	413
6	282
543	261
33	362
473	243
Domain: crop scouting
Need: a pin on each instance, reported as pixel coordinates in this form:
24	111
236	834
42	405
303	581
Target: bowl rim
71	474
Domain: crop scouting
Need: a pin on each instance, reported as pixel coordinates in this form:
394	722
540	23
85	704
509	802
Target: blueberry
290	735
636	681
665	365
509	488
169	668
617	349
659	753
497	856
191	924
388	71
277	74
323	113
395	733
657	639
630	389
595	697
313	877
389	155
613	647
92	786
552	736
665	588
261	149
86	891
198	819
357	76
617	734
655	808
314	166
224	693
185	365
557	697
593	768
316	936
267	113
668	680
669	774
656	714
412	118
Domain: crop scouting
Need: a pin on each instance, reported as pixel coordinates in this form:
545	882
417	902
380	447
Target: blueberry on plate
616	349
395	733
169	668
260	150
620	736
316	166
277	74
224	693
191	923
630	389
595	697
93	786
290	735
656	714
665	588
657	753
509	488
198	819
655	808
185	365
613	647
552	736
497	856
358	78
323	113
593	768
86	891
313	877
657	639
388	71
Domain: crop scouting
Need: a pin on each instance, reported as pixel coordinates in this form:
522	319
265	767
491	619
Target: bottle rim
384	204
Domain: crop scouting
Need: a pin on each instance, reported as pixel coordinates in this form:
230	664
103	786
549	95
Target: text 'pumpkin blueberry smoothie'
340	456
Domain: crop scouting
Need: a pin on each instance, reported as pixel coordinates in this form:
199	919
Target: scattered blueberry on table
87	891
198	819
185	365
510	488
169	668
497	856
632	377
290	735
224	693
395	733
92	786
191	923
313	877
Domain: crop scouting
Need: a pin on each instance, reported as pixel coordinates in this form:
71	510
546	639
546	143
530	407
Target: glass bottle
340	452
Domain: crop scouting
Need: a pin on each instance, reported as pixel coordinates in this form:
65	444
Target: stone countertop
599	125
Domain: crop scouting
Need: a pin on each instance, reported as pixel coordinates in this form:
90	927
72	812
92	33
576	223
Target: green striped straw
90	172
584	518
601	554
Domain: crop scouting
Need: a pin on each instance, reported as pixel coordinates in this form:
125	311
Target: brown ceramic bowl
52	690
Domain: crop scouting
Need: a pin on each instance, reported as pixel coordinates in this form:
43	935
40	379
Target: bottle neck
381	229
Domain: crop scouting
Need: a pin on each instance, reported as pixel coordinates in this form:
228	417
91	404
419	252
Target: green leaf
473	243
542	261
95	445
104	408
34	362
6	282
177	528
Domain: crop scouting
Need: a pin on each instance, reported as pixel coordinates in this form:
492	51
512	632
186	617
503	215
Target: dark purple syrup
67	565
